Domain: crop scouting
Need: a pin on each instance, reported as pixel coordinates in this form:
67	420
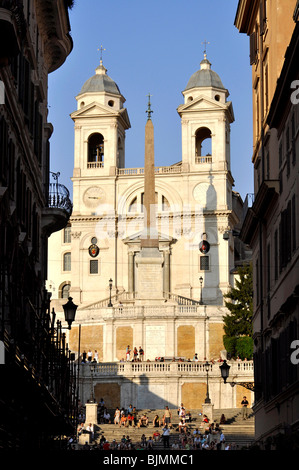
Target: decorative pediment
94	109
97	110
203	102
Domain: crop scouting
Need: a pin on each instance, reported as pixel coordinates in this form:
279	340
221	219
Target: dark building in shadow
36	393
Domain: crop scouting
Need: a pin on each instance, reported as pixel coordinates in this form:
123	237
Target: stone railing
242	370
92	165
132	312
140	171
204	159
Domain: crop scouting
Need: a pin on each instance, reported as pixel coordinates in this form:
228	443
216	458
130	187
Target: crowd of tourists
163	432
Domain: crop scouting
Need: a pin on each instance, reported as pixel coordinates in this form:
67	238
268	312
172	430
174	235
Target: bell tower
100	124
206	116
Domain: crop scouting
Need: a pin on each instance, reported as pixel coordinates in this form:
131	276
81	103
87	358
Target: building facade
271	224
34	398
171	302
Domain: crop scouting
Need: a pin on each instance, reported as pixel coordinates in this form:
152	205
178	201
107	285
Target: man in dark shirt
244	404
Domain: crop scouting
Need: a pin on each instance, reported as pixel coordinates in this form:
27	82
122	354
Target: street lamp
201	281
224	368
70	312
110	287
207	368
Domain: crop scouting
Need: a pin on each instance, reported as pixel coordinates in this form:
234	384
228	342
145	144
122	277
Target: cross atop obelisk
149	238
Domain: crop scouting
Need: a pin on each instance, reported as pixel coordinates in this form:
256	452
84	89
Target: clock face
93	196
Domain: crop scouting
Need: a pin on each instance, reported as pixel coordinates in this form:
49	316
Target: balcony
58	211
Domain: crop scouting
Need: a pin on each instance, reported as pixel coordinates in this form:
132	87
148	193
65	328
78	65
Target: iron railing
59	198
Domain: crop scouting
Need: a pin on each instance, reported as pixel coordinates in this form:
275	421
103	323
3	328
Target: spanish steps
238	433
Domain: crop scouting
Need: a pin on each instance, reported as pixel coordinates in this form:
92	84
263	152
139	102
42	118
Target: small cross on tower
101	56
205	42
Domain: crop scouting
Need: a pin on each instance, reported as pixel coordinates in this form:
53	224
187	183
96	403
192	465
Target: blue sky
153	47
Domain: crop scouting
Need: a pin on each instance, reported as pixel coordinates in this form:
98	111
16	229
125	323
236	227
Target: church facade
166	299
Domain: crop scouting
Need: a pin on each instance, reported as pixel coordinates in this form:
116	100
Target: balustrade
140	171
204	159
240	369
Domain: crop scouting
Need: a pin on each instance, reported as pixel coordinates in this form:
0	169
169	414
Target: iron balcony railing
59	198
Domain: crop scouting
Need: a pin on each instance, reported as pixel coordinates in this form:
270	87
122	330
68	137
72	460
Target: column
130	272
166	283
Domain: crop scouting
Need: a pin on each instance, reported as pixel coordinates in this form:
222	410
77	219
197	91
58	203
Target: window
93	266
276	255
67	261
203	142
293	140
253	46
204	263
95	151
133	205
287	150
67	234
65	291
165	204
294	241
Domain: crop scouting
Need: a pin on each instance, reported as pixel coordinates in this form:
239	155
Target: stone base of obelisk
149	282
91	410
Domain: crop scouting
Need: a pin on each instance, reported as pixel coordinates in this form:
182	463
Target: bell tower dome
100	124
206	116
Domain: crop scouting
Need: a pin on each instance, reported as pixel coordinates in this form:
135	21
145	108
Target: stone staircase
238	432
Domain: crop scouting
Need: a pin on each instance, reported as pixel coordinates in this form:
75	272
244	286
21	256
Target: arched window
120	153
65	291
165	204
67	261
133	205
203	144
95	151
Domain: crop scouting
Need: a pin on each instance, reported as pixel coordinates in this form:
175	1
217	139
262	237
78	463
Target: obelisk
150	237
149	262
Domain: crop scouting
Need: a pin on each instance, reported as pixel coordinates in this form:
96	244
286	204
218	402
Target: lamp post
207	368
201	281
110	287
70	312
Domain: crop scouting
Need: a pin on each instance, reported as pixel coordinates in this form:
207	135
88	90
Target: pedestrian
89	355
244	404
135	352
128	352
117	415
90	430
165	436
84	357
96	356
167	417
141	353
